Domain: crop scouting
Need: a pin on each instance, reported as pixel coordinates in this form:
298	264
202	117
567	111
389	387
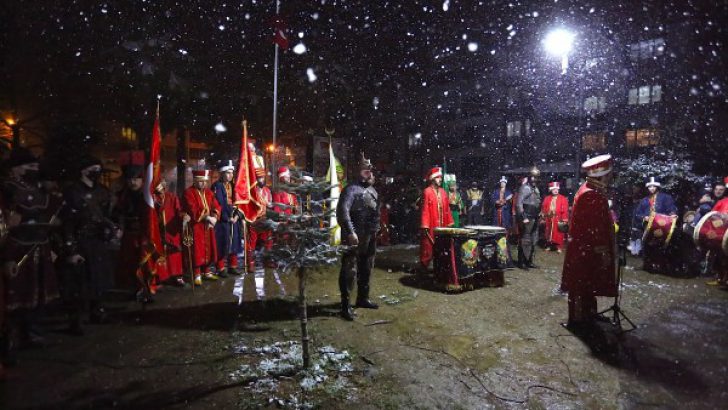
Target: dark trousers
528	240
356	265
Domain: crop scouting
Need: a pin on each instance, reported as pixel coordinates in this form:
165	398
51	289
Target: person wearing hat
257	234
457	207
26	287
228	233
170	217
501	200
528	209
435	213
128	213
204	211
358	212
589	264
474	196
555	210
87	231
288	201
657	202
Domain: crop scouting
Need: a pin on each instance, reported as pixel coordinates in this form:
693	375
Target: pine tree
302	239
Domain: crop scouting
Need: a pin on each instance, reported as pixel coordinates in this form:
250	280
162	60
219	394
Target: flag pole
275	98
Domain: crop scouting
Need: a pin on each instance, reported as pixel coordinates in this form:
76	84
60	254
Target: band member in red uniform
555	209
283	197
202	207
170	215
435	213
721	260
590	262
255	233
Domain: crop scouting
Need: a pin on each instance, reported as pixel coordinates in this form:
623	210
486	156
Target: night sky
365	61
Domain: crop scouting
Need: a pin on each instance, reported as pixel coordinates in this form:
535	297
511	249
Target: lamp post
559	43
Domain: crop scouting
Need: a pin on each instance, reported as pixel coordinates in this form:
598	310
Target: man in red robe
283	197
202	207
721	261
555	209
590	263
256	233
170	215
435	213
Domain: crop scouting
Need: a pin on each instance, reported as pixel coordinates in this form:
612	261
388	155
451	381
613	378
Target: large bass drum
711	232
659	230
469	257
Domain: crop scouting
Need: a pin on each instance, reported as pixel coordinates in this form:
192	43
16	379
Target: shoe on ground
366	304
210	276
532	266
714	282
198	280
347	313
222	273
233	272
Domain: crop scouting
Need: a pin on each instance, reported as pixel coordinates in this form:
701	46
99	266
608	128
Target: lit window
656	93
643	137
632	99
594	141
644	94
647	49
594	105
513	129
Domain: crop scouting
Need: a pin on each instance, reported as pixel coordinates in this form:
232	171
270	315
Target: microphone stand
618	315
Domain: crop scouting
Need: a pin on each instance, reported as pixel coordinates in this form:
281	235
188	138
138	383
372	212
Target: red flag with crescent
152	250
246	199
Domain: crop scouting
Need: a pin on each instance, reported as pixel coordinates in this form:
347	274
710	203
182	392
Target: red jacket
721	206
552	218
435	209
590	262
283	197
198	204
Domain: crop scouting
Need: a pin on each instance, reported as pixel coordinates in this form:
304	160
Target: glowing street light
560	42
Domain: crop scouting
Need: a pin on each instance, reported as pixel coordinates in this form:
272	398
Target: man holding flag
246	199
152	250
228	234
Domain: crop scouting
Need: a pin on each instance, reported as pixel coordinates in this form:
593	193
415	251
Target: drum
469	257
659	230
711	232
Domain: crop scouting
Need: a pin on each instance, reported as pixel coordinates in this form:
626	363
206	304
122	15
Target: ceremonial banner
152	250
246	198
333	178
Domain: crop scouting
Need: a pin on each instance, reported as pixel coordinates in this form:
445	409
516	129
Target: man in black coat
358	215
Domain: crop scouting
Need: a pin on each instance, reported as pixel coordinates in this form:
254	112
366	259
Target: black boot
346	311
362	298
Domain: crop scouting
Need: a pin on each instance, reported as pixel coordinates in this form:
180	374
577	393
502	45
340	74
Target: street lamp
560	42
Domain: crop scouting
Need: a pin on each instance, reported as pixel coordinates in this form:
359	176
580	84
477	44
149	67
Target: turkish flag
152	250
279	32
246	199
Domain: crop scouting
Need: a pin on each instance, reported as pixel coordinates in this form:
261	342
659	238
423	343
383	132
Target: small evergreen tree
302	239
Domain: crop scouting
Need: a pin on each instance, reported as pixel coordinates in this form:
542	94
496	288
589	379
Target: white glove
186	219
211	220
